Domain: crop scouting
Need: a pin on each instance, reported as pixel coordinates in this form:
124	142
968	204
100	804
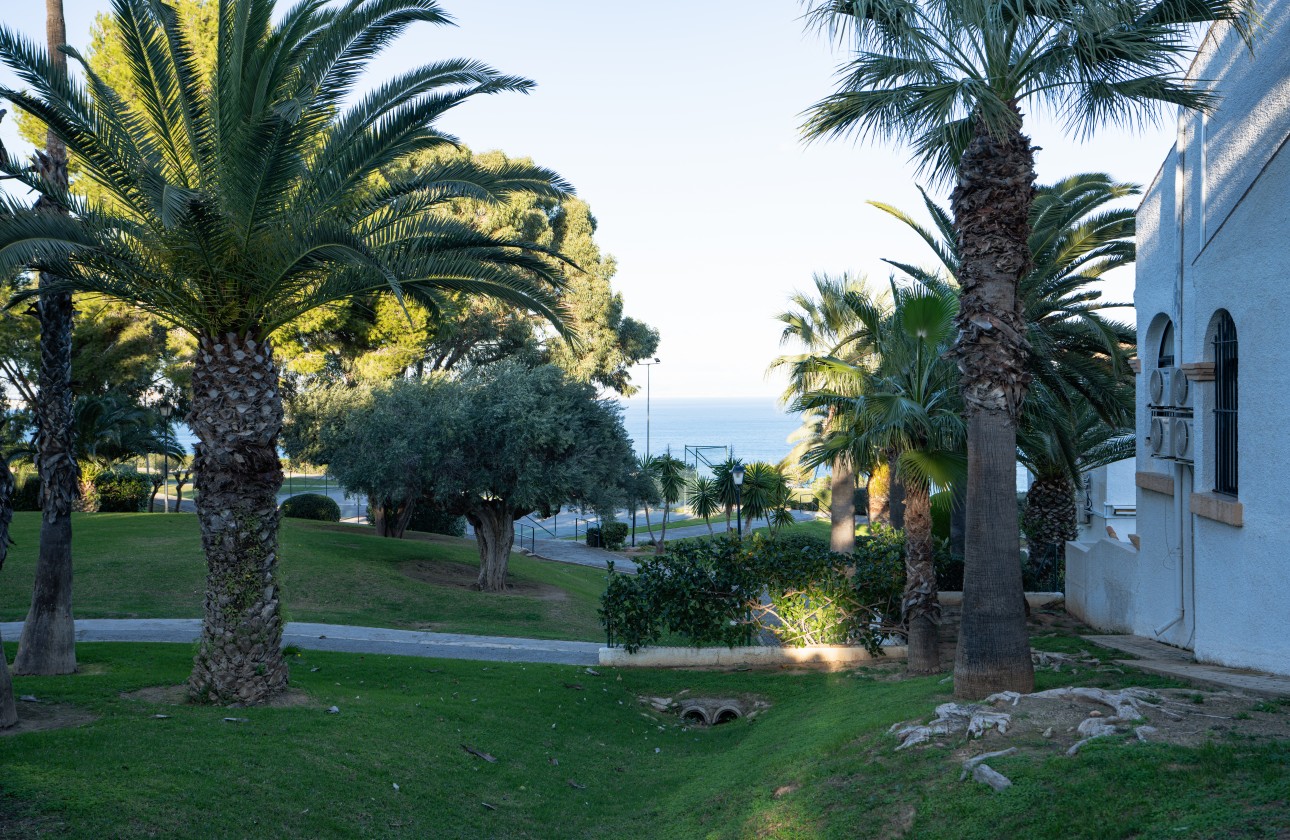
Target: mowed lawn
577	756
151	566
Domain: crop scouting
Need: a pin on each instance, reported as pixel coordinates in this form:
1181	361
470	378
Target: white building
1212	561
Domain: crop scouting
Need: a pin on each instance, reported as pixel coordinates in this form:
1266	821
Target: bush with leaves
311	506
121	489
711	592
613	535
27	495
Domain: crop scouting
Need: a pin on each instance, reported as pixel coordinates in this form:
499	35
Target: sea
710	429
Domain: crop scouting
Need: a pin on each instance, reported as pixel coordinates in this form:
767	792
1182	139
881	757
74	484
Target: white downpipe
1180	214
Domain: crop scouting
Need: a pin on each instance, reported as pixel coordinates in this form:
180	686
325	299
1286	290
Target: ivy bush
613	535
311	506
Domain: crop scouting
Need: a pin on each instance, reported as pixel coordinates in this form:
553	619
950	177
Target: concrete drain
708	711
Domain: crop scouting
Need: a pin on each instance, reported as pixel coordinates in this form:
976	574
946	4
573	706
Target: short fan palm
237	202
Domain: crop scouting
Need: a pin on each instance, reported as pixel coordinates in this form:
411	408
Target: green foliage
709	591
239	201
311	506
431	519
528	438
613	534
26	495
121	489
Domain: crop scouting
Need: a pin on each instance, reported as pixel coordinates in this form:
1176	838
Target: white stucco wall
1225	188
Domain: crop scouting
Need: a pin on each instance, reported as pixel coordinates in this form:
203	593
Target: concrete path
1167	661
565	551
337	637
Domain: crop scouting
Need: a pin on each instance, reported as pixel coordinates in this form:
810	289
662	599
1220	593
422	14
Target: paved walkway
567	551
339	637
1167	661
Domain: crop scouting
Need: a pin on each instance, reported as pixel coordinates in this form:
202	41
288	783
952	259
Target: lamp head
164	409
738	474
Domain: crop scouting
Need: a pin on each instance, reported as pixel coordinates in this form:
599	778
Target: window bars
1225	392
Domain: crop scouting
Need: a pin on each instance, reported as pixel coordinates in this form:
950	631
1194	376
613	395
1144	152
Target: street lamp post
648	365
738	475
165	408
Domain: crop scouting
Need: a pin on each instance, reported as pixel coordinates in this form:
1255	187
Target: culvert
695	717
726	715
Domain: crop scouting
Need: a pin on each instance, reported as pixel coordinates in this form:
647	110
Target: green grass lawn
577	757
151	566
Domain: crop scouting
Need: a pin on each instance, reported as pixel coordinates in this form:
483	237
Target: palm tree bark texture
919	605
842	506
991	205
48	642
237	415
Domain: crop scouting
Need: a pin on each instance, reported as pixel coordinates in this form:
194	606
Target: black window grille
1165	358
1225	373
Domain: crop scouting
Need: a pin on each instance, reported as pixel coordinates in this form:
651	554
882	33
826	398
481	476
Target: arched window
1225	392
1165	358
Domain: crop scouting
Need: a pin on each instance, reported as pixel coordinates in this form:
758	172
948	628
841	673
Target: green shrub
434	520
797	539
613	535
710	592
26	495
311	506
120	490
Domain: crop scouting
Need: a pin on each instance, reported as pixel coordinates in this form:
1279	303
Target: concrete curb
1035	599
721	657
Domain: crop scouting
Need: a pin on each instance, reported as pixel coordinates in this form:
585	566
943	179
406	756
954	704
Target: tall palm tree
827	324
950	79
239	202
48	641
910	411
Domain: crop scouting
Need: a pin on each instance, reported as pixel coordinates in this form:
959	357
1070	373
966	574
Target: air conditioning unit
1180	437
1180	388
1162	386
1159	442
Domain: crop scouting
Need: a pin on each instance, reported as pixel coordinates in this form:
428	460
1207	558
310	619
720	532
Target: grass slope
576	757
151	566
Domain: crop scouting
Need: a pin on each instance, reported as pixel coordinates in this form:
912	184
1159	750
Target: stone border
723	657
1218	508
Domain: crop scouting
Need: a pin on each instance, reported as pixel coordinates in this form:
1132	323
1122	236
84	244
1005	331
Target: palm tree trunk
648	526
237	415
8	710
1050	520
842	508
48	642
495	534
878	488
662	536
991	214
921	608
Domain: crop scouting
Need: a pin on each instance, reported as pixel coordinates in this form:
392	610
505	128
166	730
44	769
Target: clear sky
678	123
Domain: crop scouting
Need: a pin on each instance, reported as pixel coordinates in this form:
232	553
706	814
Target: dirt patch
36	717
177	695
460	576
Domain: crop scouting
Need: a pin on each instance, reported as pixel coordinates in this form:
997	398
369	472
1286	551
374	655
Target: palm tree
239	202
669	472
827	324
728	494
765	491
48	642
1073	350
950	79
1058	446
910	411
704	498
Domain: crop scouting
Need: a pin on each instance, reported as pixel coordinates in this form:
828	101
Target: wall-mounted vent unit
1159	444
1180	437
1180	388
1161	387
